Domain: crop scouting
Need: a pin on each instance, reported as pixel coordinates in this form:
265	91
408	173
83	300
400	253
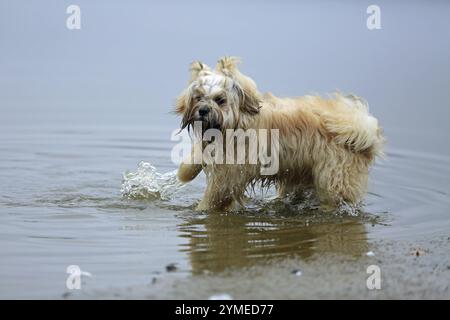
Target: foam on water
147	183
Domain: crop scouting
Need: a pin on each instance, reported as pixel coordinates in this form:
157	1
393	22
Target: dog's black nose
203	111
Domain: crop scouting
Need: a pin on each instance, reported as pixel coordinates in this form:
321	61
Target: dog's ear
249	100
180	105
248	93
197	69
182	108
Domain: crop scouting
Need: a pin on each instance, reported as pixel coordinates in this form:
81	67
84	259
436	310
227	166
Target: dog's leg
187	172
296	191
225	188
324	186
189	169
294	185
216	198
343	180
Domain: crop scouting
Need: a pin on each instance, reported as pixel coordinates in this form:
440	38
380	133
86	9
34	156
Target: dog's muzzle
203	111
209	118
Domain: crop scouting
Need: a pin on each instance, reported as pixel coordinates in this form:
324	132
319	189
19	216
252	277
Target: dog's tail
353	126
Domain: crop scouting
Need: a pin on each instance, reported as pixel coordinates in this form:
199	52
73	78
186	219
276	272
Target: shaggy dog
325	144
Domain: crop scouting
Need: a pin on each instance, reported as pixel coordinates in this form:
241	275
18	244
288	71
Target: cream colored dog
327	144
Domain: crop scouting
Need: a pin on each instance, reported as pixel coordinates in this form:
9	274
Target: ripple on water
78	204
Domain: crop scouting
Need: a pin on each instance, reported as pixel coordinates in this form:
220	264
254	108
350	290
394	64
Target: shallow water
61	204
63	158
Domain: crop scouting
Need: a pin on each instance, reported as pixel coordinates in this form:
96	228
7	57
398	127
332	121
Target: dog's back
345	119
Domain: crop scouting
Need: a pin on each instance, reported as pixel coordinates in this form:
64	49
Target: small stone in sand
171	267
297	272
370	254
220	296
418	252
66	295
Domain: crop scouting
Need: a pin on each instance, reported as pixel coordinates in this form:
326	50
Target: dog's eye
220	100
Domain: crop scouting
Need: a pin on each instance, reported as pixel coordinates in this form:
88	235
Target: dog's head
221	99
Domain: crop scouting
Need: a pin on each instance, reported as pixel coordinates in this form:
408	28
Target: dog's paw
188	172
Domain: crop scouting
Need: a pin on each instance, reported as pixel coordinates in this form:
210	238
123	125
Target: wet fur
325	143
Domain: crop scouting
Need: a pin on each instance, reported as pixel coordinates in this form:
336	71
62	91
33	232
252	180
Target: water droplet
297	272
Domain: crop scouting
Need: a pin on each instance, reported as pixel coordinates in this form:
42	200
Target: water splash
147	183
349	209
307	203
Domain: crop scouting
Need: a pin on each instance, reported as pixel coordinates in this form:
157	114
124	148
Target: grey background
130	59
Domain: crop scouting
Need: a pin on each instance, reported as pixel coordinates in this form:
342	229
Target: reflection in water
218	241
